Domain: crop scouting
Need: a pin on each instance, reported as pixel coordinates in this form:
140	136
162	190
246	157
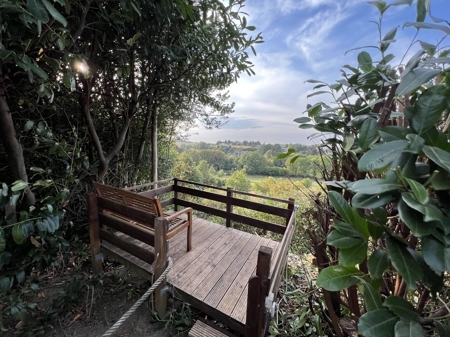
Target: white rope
139	302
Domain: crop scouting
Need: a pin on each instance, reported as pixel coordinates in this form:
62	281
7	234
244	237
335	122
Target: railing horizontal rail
132	188
234	217
158	191
282	256
283	212
237	192
128	247
168	202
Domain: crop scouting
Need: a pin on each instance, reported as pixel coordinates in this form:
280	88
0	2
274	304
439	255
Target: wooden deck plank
240	307
195	277
215	273
201	329
234	293
205	287
198	271
178	242
228	279
198	241
202	243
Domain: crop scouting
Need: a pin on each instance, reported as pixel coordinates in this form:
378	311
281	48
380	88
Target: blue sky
307	39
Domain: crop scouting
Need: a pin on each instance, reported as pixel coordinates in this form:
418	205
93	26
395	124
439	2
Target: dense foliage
382	248
97	90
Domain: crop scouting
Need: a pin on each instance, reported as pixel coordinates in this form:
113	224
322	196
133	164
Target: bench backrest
148	204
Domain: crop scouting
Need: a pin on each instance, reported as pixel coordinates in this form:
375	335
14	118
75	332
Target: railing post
229	205
175	194
94	233
161	254
258	289
290	207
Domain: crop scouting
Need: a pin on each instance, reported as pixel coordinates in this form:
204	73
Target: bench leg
94	233
189	237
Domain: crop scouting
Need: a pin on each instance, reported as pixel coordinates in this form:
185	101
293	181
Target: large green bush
387	247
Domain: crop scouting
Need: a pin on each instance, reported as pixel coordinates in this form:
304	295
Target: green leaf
338	240
433	281
419	191
20	276
381	156
428	109
5	283
27	228
369	133
429	48
435	254
38	71
416	143
408	329
438	156
365	61
19	185
421	10
69	81
402	308
377	263
336	278
441	181
54	12
372	298
430	212
2	241
354	255
374	186
367	201
348	142
17	234
302	120
4	54
424	25
37	9
381	5
377	323
404	263
28	125
443	330
414	79
414	220
390	133
347	213
402	2
317	93
5	258
387	39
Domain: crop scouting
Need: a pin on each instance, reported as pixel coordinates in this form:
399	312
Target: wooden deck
214	275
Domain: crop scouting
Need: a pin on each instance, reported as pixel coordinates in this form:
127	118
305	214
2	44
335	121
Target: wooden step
202	329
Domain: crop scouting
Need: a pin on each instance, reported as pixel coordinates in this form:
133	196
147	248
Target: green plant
383	249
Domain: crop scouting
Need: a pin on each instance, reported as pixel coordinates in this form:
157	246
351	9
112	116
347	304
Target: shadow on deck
214	276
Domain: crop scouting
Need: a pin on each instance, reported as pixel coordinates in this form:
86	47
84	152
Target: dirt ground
73	303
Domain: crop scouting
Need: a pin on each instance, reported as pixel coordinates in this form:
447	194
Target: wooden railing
228	199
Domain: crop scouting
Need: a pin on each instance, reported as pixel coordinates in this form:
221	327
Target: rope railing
130	311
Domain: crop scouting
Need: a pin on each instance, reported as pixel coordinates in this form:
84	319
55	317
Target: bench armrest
177	214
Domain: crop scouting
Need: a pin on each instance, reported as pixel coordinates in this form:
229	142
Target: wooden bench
134	216
115	198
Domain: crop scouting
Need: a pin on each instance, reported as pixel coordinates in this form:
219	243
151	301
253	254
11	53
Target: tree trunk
155	146
13	149
103	159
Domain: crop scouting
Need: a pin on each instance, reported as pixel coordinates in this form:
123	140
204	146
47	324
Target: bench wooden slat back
148	204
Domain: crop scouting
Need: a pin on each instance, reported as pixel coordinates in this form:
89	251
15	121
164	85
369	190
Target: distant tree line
208	163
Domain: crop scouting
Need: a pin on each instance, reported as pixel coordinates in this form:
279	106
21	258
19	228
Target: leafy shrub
388	229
